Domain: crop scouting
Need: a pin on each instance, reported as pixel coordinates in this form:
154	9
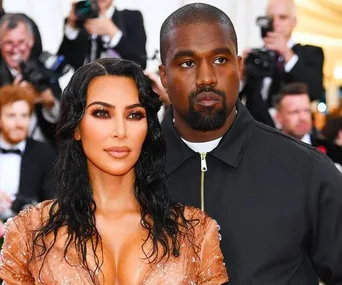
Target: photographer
16	42
287	61
37	45
103	32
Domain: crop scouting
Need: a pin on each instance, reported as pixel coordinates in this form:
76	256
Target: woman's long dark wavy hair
74	206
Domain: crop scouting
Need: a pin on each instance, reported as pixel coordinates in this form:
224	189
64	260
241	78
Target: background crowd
281	84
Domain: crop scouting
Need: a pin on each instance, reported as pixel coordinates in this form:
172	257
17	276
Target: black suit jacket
332	150
132	45
35	183
308	69
47	128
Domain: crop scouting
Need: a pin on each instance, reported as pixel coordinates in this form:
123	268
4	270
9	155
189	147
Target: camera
266	25
262	62
44	71
85	10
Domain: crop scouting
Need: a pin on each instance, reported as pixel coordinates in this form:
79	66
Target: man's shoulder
38	147
309	48
276	140
130	13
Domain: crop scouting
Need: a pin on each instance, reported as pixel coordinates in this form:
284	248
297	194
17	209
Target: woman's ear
77	135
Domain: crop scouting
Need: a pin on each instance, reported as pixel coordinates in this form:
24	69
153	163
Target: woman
111	222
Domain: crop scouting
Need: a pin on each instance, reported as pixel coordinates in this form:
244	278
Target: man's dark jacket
308	69
35	183
132	45
47	128
278	202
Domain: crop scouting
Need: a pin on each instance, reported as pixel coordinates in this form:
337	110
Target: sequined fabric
199	264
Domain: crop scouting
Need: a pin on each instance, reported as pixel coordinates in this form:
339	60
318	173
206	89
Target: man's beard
212	118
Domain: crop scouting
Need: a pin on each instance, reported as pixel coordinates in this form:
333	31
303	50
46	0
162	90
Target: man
37	46
295	63
278	201
295	119
114	34
25	164
294	111
16	42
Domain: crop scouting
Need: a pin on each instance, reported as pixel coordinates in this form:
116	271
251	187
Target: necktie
6	151
281	66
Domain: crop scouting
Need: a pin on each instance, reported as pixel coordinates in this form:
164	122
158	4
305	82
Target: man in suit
295	63
16	43
294	117
113	34
25	164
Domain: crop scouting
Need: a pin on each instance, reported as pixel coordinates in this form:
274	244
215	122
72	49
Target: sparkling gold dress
205	266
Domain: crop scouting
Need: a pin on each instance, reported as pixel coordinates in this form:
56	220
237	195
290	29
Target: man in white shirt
295	63
16	42
25	164
113	34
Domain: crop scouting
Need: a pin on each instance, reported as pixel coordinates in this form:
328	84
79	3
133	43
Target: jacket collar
230	149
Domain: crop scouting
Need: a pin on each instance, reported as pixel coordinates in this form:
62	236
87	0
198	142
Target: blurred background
319	23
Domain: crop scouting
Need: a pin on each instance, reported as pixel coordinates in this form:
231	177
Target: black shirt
278	202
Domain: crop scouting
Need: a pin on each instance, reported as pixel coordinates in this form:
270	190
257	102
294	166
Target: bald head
283	13
195	13
288	5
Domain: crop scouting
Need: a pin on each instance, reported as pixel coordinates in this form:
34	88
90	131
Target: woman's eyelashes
136	115
100	113
103	113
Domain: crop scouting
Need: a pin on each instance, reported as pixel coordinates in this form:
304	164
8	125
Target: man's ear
77	135
163	76
294	23
31	41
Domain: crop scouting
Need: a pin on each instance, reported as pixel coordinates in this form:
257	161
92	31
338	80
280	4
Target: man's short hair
13	93
332	128
11	21
195	13
291	89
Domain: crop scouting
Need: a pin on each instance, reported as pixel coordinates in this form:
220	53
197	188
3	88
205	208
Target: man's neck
5	143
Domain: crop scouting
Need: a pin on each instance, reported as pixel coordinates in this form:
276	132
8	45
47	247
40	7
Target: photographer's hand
18	79
5	202
101	26
46	98
245	54
158	88
72	18
28	86
276	41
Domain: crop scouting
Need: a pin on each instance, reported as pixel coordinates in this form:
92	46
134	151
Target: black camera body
85	10
262	62
44	71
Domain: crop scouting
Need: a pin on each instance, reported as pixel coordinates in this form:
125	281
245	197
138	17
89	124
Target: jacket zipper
203	169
